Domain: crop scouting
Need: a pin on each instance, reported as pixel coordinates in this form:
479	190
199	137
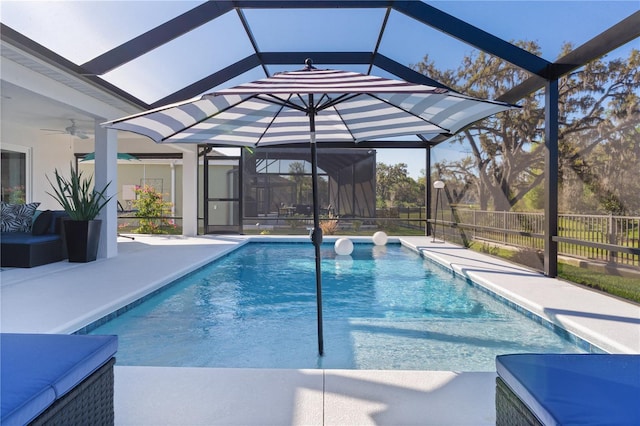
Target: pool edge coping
589	336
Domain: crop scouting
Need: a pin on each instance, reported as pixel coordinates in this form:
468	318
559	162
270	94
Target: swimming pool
385	307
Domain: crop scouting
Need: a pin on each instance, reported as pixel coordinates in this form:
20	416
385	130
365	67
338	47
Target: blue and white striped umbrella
348	107
312	106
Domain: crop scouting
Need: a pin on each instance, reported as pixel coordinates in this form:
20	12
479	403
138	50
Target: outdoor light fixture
438	185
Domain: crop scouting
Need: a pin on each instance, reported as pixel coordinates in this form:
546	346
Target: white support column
106	166
189	190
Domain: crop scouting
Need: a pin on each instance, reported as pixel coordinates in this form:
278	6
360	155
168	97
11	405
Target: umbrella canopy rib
283	102
330	102
275	116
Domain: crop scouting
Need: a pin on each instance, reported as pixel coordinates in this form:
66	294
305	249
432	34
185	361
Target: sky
80	30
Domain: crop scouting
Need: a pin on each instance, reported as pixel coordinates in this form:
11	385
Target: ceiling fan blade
72	130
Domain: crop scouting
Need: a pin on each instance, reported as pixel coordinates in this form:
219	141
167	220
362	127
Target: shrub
329	226
77	196
151	209
15	195
489	249
529	257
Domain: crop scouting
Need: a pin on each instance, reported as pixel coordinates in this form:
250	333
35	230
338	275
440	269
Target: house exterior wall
46	153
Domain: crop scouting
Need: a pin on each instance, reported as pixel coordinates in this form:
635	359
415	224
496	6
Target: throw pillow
17	217
41	224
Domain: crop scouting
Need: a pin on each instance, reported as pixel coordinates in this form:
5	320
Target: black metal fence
608	238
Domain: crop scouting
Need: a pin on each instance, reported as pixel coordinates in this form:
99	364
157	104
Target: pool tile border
120	311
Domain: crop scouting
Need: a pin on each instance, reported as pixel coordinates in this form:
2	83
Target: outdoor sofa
56	379
568	389
31	238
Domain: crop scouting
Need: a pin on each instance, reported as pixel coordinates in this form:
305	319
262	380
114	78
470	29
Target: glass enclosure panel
290	29
223	181
14	166
524	18
278	195
224	213
149	78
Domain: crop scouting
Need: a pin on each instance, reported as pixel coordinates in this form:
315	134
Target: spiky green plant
77	196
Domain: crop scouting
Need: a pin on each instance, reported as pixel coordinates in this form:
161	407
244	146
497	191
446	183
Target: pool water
385	307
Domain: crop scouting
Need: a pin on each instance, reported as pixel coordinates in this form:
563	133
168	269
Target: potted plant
82	202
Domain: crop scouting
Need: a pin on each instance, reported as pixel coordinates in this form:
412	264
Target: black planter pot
82	239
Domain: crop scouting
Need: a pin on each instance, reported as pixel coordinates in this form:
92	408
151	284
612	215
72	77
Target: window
15	188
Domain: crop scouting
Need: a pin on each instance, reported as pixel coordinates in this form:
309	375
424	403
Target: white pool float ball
343	246
380	238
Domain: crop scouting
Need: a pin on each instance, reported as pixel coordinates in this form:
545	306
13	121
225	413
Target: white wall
49	152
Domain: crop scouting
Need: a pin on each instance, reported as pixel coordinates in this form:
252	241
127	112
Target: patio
64	297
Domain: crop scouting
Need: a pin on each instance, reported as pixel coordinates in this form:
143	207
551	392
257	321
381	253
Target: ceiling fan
72	130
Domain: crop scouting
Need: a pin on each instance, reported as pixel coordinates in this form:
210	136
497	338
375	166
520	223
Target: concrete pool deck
64	297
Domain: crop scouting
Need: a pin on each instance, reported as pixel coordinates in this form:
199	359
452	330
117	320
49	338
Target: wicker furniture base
89	403
510	410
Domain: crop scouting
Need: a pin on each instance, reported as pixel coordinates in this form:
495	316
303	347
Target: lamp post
438	185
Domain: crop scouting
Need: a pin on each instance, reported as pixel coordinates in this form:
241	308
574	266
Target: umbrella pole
316	233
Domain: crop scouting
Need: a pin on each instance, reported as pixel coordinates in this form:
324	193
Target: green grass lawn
627	288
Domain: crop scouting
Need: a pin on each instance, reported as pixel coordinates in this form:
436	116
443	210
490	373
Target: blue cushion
576	388
17	217
37	369
41	222
27	238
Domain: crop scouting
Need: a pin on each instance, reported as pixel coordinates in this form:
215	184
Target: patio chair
56	379
121	210
558	389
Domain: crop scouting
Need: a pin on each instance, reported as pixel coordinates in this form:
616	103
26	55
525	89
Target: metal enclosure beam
296	60
623	32
210	81
427	192
473	36
156	37
405	73
551	179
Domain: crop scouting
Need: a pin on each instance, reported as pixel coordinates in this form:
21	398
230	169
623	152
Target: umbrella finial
309	64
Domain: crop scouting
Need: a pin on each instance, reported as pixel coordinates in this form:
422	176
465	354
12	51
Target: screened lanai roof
157	52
